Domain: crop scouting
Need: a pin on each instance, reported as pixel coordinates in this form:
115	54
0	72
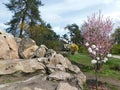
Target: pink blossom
97	32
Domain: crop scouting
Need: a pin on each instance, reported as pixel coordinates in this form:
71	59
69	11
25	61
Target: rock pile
56	72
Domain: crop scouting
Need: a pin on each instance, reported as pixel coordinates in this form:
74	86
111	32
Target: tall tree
75	33
25	13
43	34
117	35
65	36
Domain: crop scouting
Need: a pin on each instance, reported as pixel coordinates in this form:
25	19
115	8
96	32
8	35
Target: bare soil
102	84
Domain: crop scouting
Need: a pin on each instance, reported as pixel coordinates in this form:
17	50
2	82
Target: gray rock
34	83
43	60
36	88
26	88
65	86
50	53
59	59
74	68
27	66
58	63
40	52
81	77
78	80
59	75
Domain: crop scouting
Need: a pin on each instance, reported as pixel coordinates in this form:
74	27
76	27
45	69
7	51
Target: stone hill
56	72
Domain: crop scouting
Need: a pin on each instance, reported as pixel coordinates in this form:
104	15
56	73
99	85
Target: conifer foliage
25	14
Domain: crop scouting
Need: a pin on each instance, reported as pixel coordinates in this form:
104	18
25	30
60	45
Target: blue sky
60	13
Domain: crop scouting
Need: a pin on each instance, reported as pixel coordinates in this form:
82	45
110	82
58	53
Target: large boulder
26	66
59	59
8	46
33	83
59	63
27	48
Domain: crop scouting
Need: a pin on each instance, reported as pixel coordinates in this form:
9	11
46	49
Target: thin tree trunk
21	28
23	19
96	75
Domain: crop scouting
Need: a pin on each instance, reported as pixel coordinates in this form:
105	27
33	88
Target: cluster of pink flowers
97	33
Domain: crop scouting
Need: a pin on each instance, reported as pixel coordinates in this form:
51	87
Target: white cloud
107	1
118	3
64	12
69	5
60	30
3	26
51	17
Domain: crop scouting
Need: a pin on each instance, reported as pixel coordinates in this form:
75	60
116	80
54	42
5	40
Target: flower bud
98	58
96	49
109	55
105	60
93	46
94	61
93	52
86	44
90	50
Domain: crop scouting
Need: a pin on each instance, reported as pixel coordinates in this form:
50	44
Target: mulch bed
91	85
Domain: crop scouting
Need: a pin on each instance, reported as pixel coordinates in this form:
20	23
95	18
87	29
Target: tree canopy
75	33
26	13
117	35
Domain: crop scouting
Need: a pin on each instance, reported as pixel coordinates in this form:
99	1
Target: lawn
110	69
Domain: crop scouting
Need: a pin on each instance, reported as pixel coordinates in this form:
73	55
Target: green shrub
116	49
83	49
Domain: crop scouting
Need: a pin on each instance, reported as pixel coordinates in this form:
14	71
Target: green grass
9	81
109	69
111	87
81	58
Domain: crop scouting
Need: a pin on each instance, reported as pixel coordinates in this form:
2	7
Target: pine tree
26	13
75	33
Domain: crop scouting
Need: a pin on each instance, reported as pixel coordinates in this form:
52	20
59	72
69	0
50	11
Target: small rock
40	52
74	68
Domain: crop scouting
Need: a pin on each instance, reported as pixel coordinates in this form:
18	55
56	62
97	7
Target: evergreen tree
117	35
75	33
26	14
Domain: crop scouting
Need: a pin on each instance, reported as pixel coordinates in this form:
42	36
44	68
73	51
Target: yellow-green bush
73	48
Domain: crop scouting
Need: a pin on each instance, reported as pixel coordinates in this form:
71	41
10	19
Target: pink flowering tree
97	34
